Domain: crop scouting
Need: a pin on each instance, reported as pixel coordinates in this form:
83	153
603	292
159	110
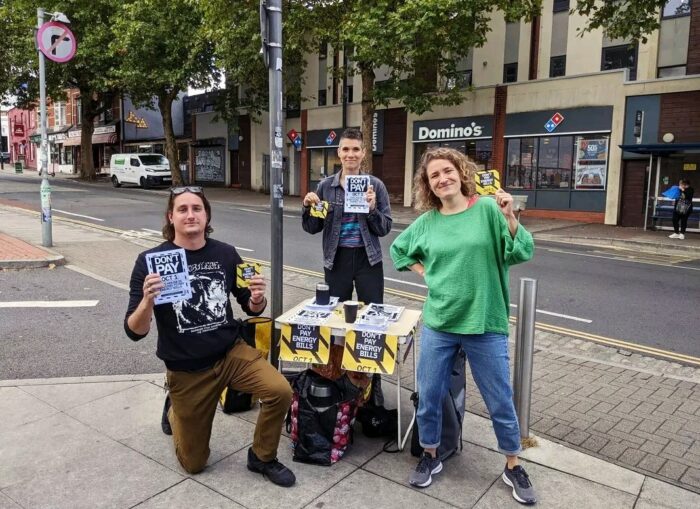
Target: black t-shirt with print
194	334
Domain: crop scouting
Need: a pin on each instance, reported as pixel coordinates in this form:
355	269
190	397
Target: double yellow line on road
617	343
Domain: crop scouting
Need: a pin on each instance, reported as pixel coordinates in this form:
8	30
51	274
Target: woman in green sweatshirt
463	246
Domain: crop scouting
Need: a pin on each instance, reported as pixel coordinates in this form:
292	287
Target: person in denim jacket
352	255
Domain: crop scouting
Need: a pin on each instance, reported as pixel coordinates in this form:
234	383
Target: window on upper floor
620	57
78	112
668	72
557	66
59	114
560	5
676	8
510	73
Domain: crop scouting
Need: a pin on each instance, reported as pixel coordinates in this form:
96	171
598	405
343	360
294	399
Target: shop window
591	162
554	162
478	151
560	5
676	9
521	163
620	57
668	72
557	66
510	73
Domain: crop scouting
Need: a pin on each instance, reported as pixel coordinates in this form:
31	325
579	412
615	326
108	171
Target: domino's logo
553	122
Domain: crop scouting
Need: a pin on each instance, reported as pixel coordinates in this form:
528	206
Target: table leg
403	438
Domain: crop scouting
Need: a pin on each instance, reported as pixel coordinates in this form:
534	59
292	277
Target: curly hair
169	229
423	197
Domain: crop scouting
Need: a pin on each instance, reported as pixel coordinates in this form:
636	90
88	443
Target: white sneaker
681	236
674	236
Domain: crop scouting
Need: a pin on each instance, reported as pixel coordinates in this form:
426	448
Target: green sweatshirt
466	258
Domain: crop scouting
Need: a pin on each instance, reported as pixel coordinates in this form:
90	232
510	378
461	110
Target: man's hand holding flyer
171	266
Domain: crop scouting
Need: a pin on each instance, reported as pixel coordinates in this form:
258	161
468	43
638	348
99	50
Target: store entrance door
634	191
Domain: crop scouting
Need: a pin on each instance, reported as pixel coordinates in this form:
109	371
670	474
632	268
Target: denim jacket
372	226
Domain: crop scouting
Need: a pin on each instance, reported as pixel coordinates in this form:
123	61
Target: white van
145	170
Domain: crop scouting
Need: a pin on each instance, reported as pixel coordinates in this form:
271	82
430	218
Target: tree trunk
165	103
367	73
87	167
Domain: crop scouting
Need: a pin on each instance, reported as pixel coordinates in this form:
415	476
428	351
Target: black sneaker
422	476
518	479
275	471
164	421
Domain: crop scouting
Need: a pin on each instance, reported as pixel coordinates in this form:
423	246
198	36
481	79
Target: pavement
613	428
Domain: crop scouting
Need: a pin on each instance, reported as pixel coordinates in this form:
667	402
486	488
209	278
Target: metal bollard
524	346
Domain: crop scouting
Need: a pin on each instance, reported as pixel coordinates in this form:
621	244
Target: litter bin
18	167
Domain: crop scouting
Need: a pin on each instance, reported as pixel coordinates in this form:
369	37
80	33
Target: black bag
321	417
452	413
233	401
375	419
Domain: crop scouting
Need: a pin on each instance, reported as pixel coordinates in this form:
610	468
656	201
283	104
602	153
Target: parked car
146	170
5	156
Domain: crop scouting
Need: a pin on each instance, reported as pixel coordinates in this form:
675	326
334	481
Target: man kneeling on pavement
200	341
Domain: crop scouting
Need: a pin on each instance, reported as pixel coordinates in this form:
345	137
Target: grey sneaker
422	476
518	479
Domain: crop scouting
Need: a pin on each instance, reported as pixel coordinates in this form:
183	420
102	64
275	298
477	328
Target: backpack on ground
320	420
453	406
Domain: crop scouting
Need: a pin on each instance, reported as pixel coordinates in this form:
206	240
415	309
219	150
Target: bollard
524	347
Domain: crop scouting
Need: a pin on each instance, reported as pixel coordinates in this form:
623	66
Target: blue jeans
488	359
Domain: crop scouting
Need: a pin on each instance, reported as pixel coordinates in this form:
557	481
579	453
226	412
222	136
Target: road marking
50	304
87	273
405	282
155	232
627	259
251	210
618	343
244	249
559	315
396	230
78	215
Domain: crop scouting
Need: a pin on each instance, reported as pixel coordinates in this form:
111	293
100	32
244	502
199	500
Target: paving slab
65	396
59	462
228	435
7	503
660	495
231	478
593	469
361	490
191	495
556	490
18	407
125	413
464	479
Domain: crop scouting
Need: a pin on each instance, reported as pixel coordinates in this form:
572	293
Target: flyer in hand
171	266
356	187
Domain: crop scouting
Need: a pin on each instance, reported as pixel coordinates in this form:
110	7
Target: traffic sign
292	135
56	41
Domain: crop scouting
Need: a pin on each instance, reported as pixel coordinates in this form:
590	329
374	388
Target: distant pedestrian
200	341
682	208
462	246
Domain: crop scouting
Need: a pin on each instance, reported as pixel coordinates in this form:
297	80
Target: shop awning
662	148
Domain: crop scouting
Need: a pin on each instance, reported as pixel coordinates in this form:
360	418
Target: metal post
45	189
647	202
524	349
272	47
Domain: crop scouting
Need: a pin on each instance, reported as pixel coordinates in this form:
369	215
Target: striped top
350	235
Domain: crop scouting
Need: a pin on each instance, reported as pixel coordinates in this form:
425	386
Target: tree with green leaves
163	51
90	71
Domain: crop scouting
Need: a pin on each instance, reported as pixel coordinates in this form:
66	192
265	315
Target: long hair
169	229
424	198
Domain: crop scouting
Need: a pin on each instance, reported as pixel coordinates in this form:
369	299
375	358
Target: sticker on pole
56	41
305	343
370	352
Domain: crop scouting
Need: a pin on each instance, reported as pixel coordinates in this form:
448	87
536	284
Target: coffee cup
323	294
350	308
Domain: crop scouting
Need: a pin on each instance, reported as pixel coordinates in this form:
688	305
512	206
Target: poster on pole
356	187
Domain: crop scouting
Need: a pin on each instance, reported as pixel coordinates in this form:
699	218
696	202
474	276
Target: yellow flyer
487	182
370	352
319	210
305	343
244	272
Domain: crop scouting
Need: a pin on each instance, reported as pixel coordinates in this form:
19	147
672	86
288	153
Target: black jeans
680	220
352	266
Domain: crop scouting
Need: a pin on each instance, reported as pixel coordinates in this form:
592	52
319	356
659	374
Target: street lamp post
45	189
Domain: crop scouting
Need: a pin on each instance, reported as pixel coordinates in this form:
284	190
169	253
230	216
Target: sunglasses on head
185	189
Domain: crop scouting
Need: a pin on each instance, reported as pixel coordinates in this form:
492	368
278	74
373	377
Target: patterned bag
682	206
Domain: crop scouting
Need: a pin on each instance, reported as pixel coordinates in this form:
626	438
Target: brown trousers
194	396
